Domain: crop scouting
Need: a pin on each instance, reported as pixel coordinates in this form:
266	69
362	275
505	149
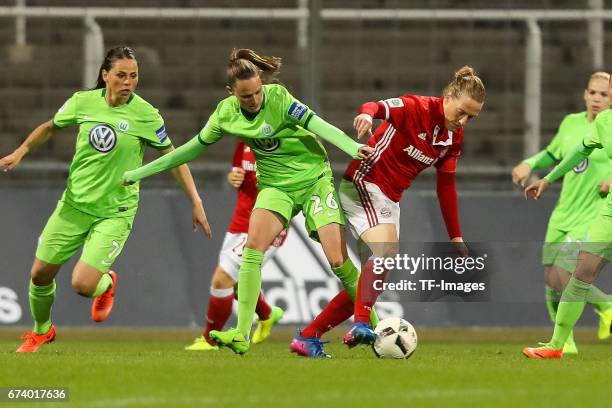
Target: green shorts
319	203
561	247
68	229
599	240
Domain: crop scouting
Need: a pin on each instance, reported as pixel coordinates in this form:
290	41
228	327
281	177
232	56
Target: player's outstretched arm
185	153
540	160
183	177
338	138
39	136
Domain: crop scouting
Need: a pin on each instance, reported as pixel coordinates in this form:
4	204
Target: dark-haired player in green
584	190
293	175
595	252
96	212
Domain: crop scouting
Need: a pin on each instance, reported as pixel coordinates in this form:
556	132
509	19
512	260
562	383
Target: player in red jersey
221	298
417	132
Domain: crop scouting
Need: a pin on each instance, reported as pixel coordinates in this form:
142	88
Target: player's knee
257	244
221	280
336	261
82	288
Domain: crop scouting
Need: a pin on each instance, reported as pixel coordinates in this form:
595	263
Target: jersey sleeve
396	110
237	159
156	135
294	111
211	132
593	137
554	148
67	114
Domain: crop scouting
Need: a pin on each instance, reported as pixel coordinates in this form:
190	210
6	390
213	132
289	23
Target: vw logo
267	145
102	138
582	166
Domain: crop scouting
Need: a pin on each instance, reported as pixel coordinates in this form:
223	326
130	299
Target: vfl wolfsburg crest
102	138
267	130
124	125
582	166
267	145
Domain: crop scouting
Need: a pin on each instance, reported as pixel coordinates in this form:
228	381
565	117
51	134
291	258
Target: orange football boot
33	341
102	305
543	352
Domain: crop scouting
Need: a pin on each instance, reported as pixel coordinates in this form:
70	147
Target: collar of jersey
128	101
247	115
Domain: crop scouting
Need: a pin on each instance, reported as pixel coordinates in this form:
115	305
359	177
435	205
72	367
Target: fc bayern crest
102	138
581	168
267	145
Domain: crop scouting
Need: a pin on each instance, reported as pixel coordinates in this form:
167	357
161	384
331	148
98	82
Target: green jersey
579	201
288	156
110	142
600	138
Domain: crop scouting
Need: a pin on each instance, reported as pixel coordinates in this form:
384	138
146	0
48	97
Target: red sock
366	293
219	310
337	310
263	308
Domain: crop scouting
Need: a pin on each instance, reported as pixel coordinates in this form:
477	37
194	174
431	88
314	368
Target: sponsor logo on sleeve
395	102
297	111
161	134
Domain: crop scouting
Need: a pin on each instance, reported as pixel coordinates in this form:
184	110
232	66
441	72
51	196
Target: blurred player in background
243	178
595	252
417	132
583	191
95	211
293	175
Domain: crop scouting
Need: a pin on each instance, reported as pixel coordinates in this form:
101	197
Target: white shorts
230	256
366	206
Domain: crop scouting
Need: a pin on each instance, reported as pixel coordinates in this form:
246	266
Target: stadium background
332	65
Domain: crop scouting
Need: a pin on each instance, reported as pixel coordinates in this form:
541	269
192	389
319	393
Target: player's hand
126	179
364	152
363	124
11	161
198	216
520	174
604	188
236	177
460	246
536	189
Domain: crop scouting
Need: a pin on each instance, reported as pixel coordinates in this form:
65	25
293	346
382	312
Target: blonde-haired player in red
243	178
417	132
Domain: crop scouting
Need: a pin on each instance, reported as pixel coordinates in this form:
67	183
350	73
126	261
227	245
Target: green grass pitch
451	368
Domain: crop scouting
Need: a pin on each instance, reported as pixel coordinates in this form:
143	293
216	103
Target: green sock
249	282
349	276
570	309
104	283
552	302
600	300
41	300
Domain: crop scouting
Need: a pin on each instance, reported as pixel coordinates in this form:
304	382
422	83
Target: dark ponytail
245	64
114	54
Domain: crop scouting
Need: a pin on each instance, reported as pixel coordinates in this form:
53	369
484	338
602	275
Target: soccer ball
396	338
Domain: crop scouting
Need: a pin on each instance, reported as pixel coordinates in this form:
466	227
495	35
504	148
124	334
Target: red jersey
247	192
411	139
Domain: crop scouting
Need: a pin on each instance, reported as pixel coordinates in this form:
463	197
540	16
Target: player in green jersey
594	253
582	193
293	175
96	212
